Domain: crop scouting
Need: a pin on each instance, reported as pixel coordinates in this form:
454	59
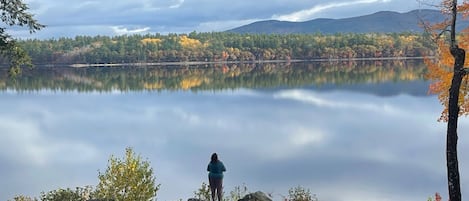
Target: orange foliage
440	70
224	55
437	197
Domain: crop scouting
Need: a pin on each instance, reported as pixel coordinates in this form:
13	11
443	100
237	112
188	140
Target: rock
257	196
194	199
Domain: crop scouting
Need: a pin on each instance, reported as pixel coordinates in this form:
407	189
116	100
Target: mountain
382	22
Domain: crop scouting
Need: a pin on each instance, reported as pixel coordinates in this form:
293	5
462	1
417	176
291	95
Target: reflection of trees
219	77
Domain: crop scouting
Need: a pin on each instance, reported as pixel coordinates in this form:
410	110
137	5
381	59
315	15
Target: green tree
14	13
127	179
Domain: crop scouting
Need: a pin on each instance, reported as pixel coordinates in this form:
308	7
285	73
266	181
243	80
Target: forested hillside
380	22
222	46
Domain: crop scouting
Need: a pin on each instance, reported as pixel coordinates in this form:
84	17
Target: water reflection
212	77
344	141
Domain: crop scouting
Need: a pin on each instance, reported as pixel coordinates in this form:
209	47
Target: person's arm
223	169
208	167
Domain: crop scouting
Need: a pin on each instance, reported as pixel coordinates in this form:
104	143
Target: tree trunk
452	135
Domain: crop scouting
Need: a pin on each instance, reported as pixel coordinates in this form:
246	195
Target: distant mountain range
380	22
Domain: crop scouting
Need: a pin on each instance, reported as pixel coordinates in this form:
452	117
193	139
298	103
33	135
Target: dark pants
216	187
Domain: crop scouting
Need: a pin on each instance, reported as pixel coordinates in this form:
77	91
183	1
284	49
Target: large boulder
257	196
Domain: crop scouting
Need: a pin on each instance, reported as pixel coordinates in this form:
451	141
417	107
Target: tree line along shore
218	47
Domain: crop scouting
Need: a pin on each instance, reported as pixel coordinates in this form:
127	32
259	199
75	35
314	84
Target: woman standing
215	176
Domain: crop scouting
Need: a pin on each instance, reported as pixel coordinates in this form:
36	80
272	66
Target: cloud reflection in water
342	145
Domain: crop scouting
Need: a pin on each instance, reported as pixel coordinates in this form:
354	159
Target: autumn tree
127	179
14	13
451	84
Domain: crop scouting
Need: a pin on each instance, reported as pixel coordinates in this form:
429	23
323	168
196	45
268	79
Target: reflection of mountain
362	76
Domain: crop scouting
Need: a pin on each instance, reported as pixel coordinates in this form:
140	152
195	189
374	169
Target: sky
116	17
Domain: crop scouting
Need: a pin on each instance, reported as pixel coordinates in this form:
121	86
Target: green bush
22	198
203	193
300	194
127	179
238	192
79	194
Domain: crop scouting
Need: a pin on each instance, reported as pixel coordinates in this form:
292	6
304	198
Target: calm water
345	131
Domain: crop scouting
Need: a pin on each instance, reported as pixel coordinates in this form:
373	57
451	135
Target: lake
346	131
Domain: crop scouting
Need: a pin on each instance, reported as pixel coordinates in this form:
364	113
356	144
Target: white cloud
120	30
308	14
314	99
86	4
187	117
24	140
177	4
223	25
304	136
358	191
180	16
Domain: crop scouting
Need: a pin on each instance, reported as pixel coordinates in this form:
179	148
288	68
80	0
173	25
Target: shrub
203	193
127	179
23	198
79	194
238	192
300	194
437	197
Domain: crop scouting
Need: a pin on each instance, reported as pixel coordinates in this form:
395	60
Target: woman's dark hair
214	158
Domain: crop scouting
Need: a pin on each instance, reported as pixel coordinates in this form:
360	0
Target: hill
380	22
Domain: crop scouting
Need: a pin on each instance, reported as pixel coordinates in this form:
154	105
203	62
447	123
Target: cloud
304	137
120	30
268	141
308	14
222	25
179	16
314	99
24	140
177	4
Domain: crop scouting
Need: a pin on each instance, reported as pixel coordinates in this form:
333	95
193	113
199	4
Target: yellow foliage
408	39
157	85
408	76
190	43
385	40
151	40
191	82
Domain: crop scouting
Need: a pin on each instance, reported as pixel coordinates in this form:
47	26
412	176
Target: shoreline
186	63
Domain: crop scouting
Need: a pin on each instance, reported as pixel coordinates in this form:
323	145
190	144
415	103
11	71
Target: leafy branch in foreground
14	13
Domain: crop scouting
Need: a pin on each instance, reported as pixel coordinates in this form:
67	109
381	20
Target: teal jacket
215	170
